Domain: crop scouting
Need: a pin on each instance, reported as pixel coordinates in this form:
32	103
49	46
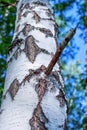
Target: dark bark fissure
54	77
37	3
17	28
36	17
39	119
61	98
37	122
31	49
31	10
16	42
47	32
55	74
27	29
14	87
33	73
65	125
1	111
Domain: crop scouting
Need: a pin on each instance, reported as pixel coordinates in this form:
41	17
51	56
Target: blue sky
81	53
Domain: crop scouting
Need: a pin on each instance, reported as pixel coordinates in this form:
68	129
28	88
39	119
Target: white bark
33	44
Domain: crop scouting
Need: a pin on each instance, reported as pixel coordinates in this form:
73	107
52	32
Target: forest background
68	13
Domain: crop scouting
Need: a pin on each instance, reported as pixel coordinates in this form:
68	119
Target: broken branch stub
60	49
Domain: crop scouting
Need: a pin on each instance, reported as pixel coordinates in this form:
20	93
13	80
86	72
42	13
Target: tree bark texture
31	99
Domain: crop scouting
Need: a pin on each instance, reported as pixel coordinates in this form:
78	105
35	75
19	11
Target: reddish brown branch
7	4
60	49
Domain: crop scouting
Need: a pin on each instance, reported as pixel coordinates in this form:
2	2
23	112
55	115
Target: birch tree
34	97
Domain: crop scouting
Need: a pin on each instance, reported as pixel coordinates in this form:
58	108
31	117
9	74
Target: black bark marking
33	73
57	77
21	7
48	12
17	28
27	29
61	99
40	88
31	49
27	6
37	122
17	42
13	89
60	126
39	3
46	31
16	2
36	17
17	52
56	33
1	111
65	125
26	13
19	15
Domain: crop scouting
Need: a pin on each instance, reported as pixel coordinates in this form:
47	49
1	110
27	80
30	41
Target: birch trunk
31	99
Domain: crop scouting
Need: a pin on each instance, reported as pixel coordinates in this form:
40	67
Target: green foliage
63	5
1	92
76	92
7	19
85	123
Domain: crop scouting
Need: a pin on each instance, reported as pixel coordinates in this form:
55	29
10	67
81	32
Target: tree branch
7	4
60	49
